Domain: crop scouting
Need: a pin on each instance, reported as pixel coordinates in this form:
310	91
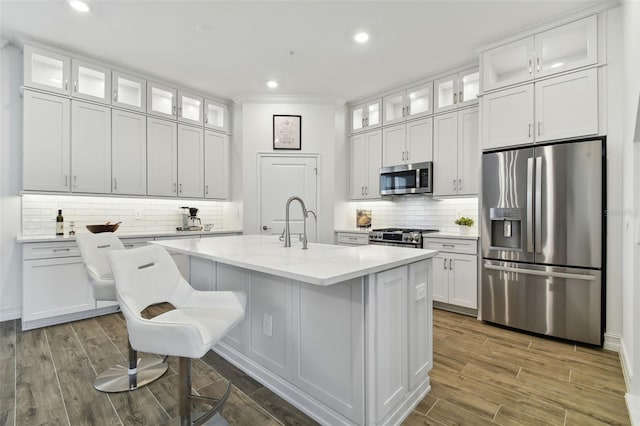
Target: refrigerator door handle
538	205
541	273
529	204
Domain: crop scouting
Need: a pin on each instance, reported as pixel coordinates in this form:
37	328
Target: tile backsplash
153	215
417	212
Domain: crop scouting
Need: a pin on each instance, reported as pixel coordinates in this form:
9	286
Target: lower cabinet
455	271
356	238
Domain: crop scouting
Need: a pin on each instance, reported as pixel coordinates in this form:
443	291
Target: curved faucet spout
305	214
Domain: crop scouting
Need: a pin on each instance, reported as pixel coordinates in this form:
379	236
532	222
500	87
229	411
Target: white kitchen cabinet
408	104
507	117
46	70
456	153
216	115
366	116
355	238
190	161
129	153
365	163
190	108
567	106
90	148
457	90
161	100
407	143
90	81
46	142
216	166
162	157
420	323
455	271
560	49
129	92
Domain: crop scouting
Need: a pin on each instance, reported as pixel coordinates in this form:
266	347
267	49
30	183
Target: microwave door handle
538	206
530	204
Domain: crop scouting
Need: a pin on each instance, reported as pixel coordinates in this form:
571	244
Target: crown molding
289	99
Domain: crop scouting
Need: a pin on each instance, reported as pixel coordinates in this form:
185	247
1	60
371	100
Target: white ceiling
247	43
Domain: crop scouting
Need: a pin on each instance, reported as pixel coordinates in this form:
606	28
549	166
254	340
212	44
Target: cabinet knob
265	227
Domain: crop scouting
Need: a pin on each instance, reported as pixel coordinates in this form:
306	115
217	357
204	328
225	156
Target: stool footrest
220	402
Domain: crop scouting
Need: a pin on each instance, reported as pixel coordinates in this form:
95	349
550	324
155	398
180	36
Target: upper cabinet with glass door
190	108
366	116
46	70
129	92
564	48
91	82
216	115
407	104
161	100
457	90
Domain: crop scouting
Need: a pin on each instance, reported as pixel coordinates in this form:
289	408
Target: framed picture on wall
287	131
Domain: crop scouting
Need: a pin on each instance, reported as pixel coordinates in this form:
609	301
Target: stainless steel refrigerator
543	239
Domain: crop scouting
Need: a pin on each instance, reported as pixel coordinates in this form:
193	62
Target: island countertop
321	264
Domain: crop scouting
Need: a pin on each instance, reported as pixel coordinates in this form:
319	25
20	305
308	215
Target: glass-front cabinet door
468	87
357	118
46	70
419	100
508	64
446	90
190	108
129	92
161	100
366	116
91	82
395	107
373	114
567	47
216	115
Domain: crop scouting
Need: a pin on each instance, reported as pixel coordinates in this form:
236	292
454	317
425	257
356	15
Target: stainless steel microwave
407	179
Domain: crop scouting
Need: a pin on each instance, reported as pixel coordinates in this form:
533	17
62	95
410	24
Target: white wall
630	352
319	135
10	182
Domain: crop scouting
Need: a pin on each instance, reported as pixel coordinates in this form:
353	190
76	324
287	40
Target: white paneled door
282	177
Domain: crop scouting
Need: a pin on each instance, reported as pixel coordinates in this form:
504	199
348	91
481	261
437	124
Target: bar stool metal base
118	379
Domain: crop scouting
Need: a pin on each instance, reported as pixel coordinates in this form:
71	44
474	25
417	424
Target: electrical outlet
267	322
137	214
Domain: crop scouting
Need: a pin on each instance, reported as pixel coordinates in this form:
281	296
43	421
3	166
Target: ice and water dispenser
506	228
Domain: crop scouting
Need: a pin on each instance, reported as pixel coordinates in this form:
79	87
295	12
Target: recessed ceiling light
272	84
79	5
361	37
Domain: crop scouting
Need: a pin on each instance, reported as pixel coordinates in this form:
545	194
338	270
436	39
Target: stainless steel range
399	237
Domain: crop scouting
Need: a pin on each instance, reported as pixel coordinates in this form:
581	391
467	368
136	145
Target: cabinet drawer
452	245
353	239
50	250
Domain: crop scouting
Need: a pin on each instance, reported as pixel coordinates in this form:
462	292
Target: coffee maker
189	220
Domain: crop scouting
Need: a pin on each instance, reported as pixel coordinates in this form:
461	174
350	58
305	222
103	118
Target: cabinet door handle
455	98
366	190
362	190
454	184
115	184
529	66
402	155
66	180
66	85
460	184
115	96
408	110
75	181
180	111
444	264
448	245
538	64
206	190
539	132
362	121
529	130
174	187
173	110
181	188
450	265
61	249
460	97
206	119
75	86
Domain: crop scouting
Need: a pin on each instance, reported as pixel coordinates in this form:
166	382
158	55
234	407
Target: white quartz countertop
321	264
451	235
184	234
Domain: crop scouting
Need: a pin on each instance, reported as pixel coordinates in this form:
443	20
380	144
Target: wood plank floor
482	375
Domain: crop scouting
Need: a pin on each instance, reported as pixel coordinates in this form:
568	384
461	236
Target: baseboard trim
633	405
612	342
10	313
627	370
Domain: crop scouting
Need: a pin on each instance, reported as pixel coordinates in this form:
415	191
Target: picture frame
287	132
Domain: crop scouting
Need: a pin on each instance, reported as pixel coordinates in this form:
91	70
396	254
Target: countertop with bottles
185	234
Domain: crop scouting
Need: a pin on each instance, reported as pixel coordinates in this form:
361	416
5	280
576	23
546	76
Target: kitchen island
342	333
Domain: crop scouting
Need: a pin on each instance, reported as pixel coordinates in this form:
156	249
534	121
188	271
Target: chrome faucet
305	213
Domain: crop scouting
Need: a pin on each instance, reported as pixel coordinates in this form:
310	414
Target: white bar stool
148	275
94	249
